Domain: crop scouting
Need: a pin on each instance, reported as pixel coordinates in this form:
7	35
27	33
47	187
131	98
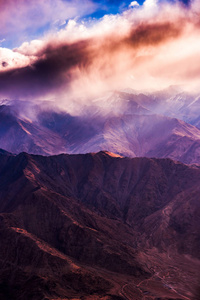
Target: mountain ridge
101	215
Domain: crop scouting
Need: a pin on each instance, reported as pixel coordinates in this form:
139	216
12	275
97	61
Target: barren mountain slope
97	224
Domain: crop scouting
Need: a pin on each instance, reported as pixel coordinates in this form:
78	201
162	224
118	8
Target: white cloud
13	59
150	3
30	49
134	4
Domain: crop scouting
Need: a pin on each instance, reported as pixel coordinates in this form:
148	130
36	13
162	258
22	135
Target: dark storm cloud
153	34
47	73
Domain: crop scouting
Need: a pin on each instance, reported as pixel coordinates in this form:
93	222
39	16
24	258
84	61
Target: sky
62	49
24	20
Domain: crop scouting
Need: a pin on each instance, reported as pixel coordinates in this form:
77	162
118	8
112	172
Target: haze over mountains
161	124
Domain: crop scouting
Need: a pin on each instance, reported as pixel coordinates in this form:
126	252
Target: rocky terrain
98	226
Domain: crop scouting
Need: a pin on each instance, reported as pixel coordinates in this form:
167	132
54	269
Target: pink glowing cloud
143	49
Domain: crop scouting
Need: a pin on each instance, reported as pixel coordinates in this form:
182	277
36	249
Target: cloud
150	3
134	4
3	40
20	19
13	60
141	49
51	70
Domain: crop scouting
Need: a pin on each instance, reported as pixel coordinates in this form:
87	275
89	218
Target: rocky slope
19	134
98	226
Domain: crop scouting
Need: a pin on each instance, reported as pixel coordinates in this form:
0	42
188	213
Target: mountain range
133	125
98	226
101	202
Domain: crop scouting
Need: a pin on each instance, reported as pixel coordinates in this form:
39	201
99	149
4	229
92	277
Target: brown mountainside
98	226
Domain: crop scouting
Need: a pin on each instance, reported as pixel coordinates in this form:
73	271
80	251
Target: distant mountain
97	226
172	102
123	123
19	134
149	135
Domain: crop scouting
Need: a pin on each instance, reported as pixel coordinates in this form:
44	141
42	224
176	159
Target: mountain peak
111	154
